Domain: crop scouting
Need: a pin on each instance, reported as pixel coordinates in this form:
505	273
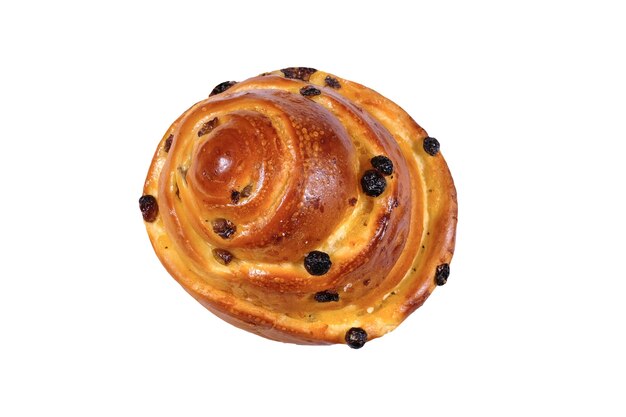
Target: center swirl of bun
267	178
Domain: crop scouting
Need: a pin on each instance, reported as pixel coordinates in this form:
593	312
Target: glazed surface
253	179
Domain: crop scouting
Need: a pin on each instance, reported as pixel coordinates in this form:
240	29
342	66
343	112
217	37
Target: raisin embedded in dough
168	143
207	127
310	91
326	296
442	273
149	208
356	337
224	228
431	146
373	183
317	262
221	87
222	256
299	73
382	164
332	82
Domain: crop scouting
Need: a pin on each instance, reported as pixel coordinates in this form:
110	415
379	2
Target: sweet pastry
302	207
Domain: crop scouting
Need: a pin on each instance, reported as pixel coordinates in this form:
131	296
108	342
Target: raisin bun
302	207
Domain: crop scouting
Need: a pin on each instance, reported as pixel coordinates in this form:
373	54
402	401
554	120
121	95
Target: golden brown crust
252	179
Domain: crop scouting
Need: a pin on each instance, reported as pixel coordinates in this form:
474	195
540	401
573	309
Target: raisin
207	127
224	228
442	273
352	201
168	143
310	91
382	164
317	263
234	196
373	183
221	87
247	190
222	256
356	337
331	82
299	73
431	146
149	208
326	296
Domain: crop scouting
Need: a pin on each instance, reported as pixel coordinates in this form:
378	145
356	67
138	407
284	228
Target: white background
529	103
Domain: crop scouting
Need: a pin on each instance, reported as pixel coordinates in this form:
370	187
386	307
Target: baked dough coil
302	207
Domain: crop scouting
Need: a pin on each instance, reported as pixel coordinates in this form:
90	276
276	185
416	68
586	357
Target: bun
302	207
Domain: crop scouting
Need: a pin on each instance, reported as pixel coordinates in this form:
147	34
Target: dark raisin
331	82
373	183
247	190
221	87
366	282
317	263
442	273
234	196
431	146
149	208
382	164
224	228
356	337
310	91
168	143
207	127
326	296
300	73
222	256
352	201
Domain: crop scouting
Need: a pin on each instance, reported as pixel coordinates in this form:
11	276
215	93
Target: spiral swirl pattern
271	211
